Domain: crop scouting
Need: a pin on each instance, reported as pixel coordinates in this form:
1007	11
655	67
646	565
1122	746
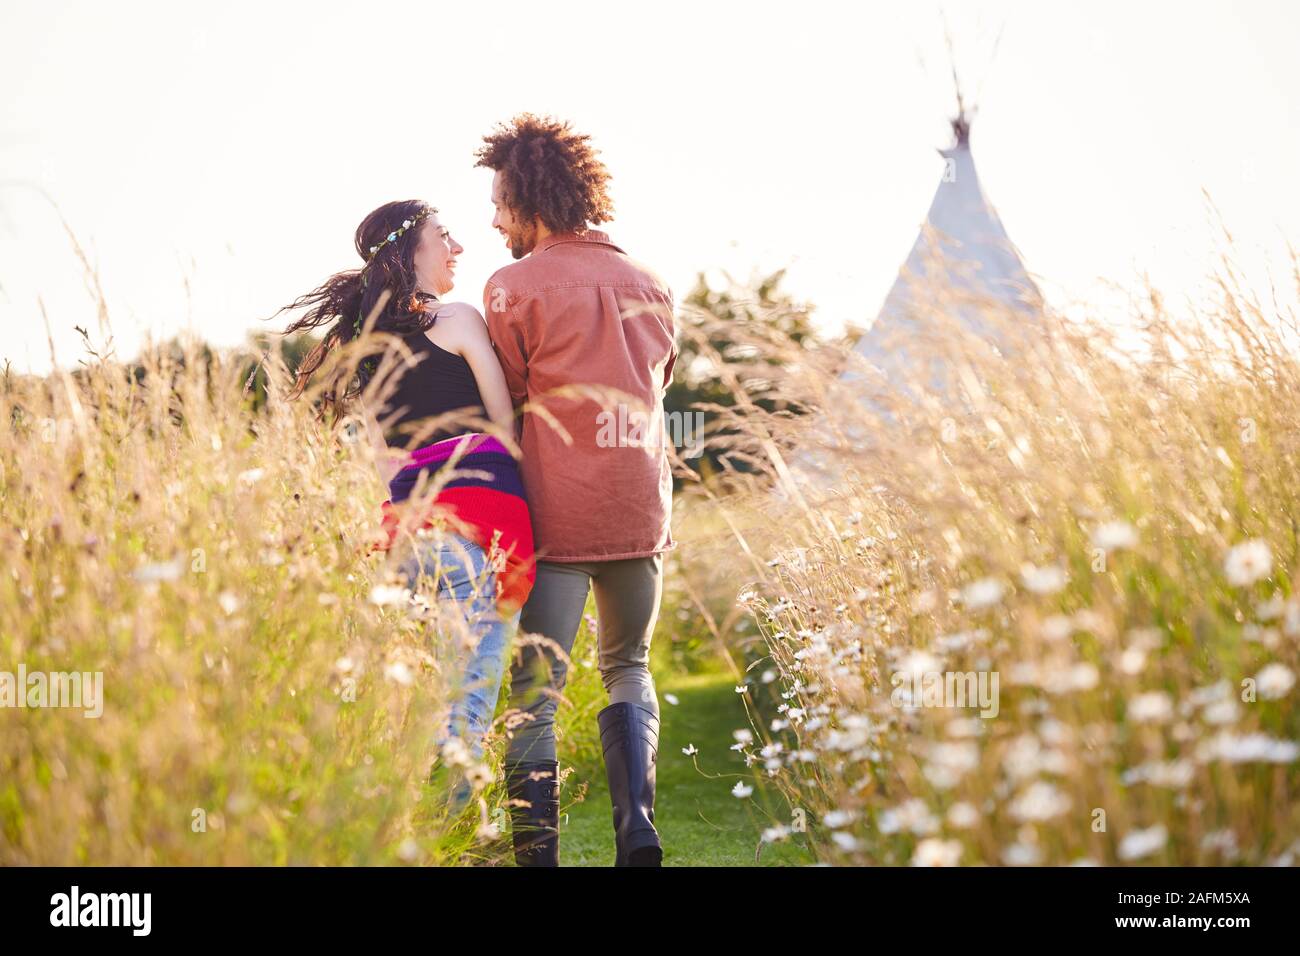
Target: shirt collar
587	235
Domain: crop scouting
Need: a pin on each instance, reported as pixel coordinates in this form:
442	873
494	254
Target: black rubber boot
629	735
534	791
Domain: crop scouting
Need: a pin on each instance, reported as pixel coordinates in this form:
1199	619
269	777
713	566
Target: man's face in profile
521	237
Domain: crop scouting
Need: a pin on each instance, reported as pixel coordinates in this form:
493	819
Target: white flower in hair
373	249
406	224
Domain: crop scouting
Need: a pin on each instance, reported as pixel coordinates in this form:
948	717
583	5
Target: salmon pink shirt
579	316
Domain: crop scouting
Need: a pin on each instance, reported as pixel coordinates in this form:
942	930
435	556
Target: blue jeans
466	591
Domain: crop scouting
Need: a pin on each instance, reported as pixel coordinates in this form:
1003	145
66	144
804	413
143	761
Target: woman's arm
471	340
385	462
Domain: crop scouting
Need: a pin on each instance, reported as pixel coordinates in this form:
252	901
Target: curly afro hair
550	171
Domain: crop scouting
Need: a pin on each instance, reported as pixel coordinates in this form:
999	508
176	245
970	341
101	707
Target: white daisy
1047	580
981	594
1274	681
1114	536
1141	843
1248	562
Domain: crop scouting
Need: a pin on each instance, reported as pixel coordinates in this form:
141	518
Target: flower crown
393	236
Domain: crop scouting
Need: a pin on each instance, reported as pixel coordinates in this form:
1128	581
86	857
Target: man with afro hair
585	336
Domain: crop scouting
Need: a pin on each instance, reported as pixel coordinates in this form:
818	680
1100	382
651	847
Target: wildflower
1141	843
479	775
1291	618
769	675
776	834
672	699
1210	693
1046	580
919	663
846	841
963	816
925	602
982	594
743	735
1271	609
961	640
383	595
1248	748
1114	536
1040	802
838	819
741	689
1081	676
1221	841
1022	854
949	762
1132	660
455	753
964	727
1023	758
229	602
1220	712
690	750
911	816
934	852
399	673
1174	773
1274	681
409	851
1058	627
1248	562
1153	707
740	791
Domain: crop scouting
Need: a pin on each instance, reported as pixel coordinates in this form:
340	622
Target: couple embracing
521	539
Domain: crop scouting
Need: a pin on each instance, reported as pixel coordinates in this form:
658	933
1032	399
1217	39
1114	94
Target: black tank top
440	382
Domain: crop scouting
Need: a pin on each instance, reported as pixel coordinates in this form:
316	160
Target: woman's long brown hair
381	296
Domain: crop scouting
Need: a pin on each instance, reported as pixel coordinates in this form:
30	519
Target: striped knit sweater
482	499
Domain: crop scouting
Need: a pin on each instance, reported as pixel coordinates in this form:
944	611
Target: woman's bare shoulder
459	311
459	326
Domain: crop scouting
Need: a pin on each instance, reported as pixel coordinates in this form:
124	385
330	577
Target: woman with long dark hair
453	475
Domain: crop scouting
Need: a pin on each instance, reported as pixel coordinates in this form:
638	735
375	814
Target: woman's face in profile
435	257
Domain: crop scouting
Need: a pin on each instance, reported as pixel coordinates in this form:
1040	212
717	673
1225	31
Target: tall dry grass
1104	516
269	698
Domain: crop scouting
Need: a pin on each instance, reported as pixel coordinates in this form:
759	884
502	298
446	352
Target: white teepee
961	265
963	272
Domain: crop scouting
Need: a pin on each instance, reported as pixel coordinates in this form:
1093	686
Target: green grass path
699	820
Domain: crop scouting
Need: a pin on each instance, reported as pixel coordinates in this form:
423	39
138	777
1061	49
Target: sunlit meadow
270	694
1092	534
1099	526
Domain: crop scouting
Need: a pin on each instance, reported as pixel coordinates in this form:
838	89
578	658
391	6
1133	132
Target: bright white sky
215	159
